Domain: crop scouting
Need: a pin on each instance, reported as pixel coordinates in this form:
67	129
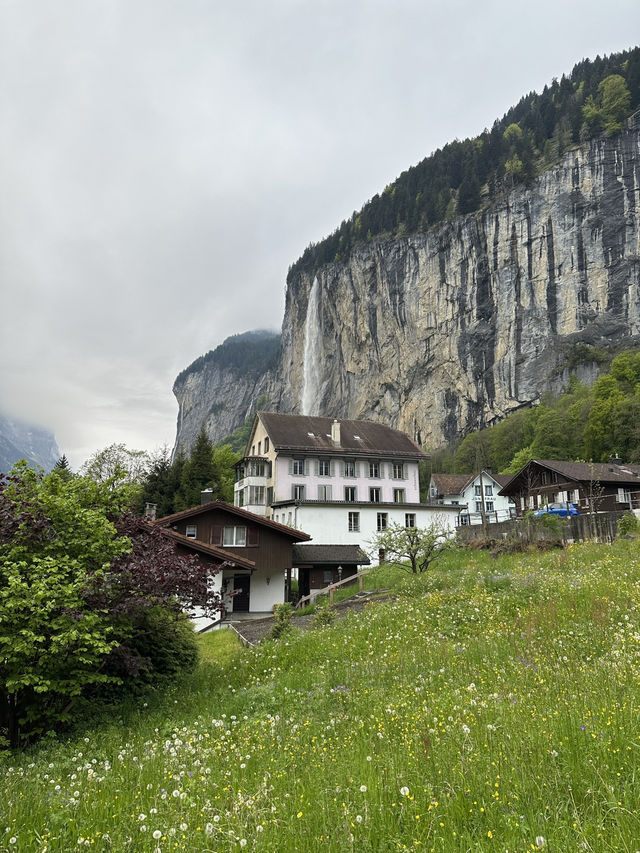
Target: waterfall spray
312	362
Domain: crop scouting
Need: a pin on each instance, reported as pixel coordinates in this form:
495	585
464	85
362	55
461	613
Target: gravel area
254	630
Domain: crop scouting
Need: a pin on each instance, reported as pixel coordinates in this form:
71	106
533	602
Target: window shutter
332	468
327	493
291	466
253	536
216	534
621	495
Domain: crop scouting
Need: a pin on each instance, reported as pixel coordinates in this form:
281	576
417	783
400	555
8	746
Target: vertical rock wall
441	332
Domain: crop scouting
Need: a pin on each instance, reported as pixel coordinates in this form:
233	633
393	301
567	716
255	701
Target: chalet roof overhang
219	555
242	514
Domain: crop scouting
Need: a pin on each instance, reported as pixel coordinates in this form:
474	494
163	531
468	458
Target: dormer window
192	531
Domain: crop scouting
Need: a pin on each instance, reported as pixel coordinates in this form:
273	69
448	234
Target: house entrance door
241	586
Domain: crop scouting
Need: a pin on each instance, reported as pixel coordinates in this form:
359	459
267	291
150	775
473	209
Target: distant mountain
20	440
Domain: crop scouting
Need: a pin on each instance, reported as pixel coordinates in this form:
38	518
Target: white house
467	492
339	481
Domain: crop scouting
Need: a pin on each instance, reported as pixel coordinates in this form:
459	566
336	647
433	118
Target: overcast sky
163	163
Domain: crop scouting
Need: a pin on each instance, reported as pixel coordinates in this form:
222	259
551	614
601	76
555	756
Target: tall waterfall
312	362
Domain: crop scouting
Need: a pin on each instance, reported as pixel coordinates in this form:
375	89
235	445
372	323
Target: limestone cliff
441	332
219	390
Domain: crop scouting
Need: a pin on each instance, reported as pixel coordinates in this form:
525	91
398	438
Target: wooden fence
586	527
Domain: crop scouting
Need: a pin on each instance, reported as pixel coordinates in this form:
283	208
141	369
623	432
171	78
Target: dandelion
183	827
363	788
541	841
358	818
466	729
142	816
208	830
404	791
157	834
243	842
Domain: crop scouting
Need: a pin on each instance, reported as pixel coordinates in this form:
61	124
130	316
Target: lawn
494	706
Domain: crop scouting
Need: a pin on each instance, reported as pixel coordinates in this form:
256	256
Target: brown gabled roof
503	479
250	517
211	550
455	484
330	554
305	433
451	484
601	472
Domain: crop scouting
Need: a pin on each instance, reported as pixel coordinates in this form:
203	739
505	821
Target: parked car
563	509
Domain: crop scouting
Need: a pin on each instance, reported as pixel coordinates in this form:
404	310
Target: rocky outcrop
441	332
221	389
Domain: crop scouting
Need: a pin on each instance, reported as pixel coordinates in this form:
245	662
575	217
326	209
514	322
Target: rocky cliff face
438	333
441	332
221	389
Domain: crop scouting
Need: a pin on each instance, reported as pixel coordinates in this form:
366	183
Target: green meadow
493	706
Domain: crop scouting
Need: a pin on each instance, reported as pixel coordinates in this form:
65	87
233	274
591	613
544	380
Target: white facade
358	524
469	499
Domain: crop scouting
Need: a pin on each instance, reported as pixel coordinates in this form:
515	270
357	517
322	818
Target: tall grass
493	706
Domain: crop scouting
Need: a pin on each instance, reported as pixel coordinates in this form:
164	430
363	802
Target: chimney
206	496
335	433
150	512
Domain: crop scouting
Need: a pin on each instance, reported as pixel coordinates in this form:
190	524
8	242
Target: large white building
340	481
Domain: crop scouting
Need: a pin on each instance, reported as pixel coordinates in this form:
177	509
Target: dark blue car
563	509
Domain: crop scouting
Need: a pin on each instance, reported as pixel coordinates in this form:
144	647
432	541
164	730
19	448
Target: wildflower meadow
494	705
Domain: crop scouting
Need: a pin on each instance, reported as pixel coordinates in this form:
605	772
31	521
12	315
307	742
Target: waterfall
312	361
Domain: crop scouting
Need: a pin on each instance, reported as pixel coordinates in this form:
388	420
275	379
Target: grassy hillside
494	706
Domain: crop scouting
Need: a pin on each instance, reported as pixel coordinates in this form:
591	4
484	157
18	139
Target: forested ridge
248	353
462	176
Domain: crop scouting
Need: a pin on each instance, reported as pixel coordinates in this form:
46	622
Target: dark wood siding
269	549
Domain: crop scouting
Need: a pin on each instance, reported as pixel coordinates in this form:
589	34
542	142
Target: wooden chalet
255	552
590	486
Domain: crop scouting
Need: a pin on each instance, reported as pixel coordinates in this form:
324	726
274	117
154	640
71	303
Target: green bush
282	614
628	523
324	615
157	642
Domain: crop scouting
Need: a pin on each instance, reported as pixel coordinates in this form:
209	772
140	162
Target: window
327	576
254	469
269	495
350	494
324	468
478	491
478	506
398	496
234	537
409	519
297	492
488	491
259	448
191	531
349	468
297	467
374	470
266	444
382	521
489	506
398	471
324	493
256	495
354	522
374	495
